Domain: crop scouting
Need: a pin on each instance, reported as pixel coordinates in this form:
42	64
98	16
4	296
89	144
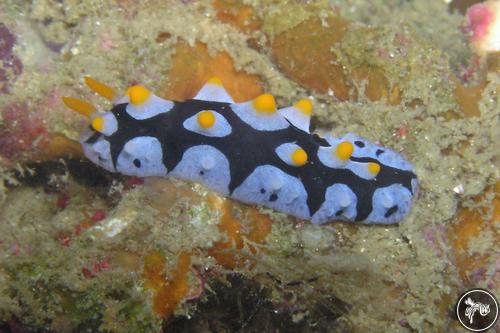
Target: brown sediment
260	228
303	54
470	224
462	5
493	62
223	251
468	98
227	252
168	292
162	36
193	66
377	86
307	54
238	14
126	260
59	145
163	194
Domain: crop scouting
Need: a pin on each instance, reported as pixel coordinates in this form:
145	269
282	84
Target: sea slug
250	151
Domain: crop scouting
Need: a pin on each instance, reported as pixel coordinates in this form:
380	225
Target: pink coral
479	18
21	130
483	23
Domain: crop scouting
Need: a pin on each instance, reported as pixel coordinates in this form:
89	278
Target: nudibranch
252	152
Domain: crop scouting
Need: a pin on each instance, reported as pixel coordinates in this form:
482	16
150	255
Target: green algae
44	287
442	29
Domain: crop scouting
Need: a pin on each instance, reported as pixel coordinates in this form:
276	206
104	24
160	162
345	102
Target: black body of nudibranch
249	151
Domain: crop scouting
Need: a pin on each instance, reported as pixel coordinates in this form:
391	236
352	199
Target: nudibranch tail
251	151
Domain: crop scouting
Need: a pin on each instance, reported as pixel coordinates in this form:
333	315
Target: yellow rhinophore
299	157
82	107
374	168
100	88
98	124
265	103
206	119
305	105
344	150
138	95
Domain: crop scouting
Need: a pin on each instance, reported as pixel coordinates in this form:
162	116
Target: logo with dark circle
477	310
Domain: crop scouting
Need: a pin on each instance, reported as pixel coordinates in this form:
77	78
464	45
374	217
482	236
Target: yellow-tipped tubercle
374	168
100	88
299	157
215	80
265	103
206	119
82	107
344	150
98	124
138	95
305	105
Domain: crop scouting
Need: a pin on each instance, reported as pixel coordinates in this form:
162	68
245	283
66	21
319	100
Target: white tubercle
299	115
275	183
214	91
207	162
261	113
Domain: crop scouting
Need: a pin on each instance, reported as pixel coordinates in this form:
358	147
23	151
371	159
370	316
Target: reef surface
85	250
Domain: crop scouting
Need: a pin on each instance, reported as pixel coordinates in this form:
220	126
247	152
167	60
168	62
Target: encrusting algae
102	252
168	292
223	250
240	85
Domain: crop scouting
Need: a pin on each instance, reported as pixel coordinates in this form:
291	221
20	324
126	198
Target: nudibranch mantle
250	151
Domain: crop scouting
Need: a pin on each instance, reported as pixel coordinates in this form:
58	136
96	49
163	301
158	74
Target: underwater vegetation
11	64
82	249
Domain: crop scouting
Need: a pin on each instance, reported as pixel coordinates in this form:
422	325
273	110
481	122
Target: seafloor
82	250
